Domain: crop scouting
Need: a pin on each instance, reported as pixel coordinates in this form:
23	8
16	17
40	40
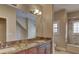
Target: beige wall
39	27
48	12
10	14
45	22
61	17
73	14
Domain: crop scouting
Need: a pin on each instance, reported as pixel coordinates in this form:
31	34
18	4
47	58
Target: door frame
5	19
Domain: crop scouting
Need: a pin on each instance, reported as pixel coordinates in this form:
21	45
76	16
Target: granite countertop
15	49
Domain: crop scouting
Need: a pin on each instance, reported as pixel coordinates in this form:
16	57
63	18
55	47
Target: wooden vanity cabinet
33	50
28	51
48	48
21	52
44	48
41	49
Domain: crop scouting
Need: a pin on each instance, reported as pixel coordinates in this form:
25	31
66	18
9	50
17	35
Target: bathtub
72	48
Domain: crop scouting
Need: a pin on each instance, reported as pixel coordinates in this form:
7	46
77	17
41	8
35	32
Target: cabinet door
41	49
26	51
21	52
45	48
32	50
48	48
29	51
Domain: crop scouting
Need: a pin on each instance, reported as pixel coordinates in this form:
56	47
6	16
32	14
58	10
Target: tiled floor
61	52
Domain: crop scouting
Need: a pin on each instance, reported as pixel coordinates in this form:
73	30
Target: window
76	27
55	27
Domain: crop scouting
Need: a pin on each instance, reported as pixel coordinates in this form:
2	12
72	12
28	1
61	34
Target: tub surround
14	47
72	48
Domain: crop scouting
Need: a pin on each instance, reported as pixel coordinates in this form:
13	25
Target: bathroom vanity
37	46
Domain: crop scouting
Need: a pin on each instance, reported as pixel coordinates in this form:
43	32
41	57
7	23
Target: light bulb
40	13
36	11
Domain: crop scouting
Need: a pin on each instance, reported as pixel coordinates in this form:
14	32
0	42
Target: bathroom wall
10	14
47	17
73	14
60	38
44	22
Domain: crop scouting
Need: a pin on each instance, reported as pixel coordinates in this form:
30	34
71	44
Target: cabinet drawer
32	50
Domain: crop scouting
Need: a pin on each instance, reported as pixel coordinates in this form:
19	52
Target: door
2	30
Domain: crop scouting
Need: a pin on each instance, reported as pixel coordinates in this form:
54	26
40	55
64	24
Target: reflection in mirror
25	25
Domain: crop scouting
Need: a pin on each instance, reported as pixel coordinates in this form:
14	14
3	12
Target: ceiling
68	7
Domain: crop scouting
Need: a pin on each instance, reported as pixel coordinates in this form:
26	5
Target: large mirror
25	25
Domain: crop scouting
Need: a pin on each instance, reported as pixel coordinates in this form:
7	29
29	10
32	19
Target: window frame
55	28
76	27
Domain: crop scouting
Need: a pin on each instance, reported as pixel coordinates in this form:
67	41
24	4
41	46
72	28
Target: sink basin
31	45
41	41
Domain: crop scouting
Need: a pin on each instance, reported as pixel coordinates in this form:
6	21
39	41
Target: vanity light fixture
36	12
39	13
